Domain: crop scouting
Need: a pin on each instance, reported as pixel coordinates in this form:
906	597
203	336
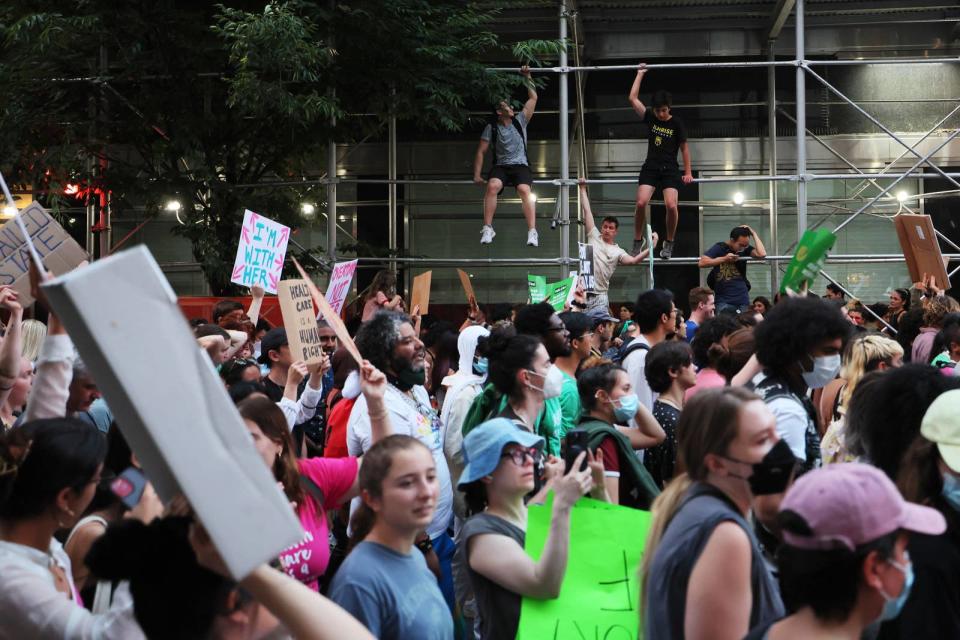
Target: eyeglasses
519	456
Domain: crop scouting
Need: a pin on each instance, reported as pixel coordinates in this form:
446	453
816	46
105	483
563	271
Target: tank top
665	597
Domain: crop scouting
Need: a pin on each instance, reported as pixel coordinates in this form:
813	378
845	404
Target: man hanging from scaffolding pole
666	136
507	136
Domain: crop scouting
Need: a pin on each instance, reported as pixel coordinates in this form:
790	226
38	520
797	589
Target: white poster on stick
260	254
171	405
339	285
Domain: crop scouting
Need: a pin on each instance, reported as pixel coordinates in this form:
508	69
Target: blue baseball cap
483	447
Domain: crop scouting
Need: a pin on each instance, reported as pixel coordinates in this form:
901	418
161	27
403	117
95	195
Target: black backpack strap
523	137
312	489
494	136
635	345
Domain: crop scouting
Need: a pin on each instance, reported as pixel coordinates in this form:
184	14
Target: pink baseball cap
851	504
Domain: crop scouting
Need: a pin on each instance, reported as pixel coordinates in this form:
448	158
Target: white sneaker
667	251
487	235
533	238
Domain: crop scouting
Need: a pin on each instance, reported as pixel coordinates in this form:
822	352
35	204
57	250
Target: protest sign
808	260
586	266
600	593
296	305
60	253
172	406
467	285
555	293
573	290
332	318
918	240
260	254
420	293
339	285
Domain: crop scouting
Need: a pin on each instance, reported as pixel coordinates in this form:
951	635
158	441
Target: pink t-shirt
307	560
707	378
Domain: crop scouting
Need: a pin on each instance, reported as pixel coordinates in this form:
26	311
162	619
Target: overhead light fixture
738	198
307	209
902	196
172	206
9	211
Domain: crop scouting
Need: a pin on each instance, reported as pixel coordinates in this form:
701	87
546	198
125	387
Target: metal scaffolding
801	176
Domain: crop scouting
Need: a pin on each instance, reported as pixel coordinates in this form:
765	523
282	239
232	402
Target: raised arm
634	96
759	250
373	385
588	222
10	349
256	301
531	102
503	561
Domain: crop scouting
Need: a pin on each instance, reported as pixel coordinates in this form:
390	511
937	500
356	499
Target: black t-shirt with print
663	138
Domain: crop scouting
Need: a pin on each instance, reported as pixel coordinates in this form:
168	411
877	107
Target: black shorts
511	175
660	176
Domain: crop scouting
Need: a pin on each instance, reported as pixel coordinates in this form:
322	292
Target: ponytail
664	507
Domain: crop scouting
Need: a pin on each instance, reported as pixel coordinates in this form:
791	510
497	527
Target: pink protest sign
260	254
339	285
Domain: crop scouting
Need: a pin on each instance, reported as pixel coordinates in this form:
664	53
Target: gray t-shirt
394	595
510	146
665	597
498	610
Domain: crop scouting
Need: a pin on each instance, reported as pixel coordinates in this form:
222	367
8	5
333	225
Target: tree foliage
198	101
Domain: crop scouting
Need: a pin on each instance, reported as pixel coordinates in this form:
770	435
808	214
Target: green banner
555	293
808	260
600	595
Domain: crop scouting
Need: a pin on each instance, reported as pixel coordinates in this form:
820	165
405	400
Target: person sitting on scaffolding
506	134
666	136
607	254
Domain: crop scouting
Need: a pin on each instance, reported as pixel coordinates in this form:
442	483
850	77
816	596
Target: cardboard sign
332	318
600	594
296	305
467	285
808	260
260	254
420	293
59	252
172	406
339	285
918	240
586	266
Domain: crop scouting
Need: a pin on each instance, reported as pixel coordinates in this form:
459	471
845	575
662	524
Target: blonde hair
862	352
33	333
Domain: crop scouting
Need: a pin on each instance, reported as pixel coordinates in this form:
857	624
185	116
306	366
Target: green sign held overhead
600	595
808	260
555	293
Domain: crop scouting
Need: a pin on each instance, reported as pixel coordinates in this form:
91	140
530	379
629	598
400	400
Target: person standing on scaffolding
666	136
507	136
607	254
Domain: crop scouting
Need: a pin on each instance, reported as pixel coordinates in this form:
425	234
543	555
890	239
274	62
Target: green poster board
808	260
600	595
555	293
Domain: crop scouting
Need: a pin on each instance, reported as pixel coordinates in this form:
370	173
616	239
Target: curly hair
793	328
379	335
936	309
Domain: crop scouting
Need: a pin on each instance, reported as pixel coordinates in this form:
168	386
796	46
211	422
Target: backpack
642	489
769	388
495	134
630	347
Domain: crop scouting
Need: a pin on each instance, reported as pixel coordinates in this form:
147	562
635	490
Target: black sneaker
638	246
666	252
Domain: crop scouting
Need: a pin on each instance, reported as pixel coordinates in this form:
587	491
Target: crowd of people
802	467
800	456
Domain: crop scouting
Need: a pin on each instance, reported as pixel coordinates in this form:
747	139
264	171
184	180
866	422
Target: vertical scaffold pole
772	155
801	91
564	148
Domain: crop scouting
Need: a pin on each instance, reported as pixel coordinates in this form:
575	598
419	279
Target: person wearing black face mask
701	548
389	342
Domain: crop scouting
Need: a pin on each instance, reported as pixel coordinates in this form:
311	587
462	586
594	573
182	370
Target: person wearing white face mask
798	345
608	400
844	564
